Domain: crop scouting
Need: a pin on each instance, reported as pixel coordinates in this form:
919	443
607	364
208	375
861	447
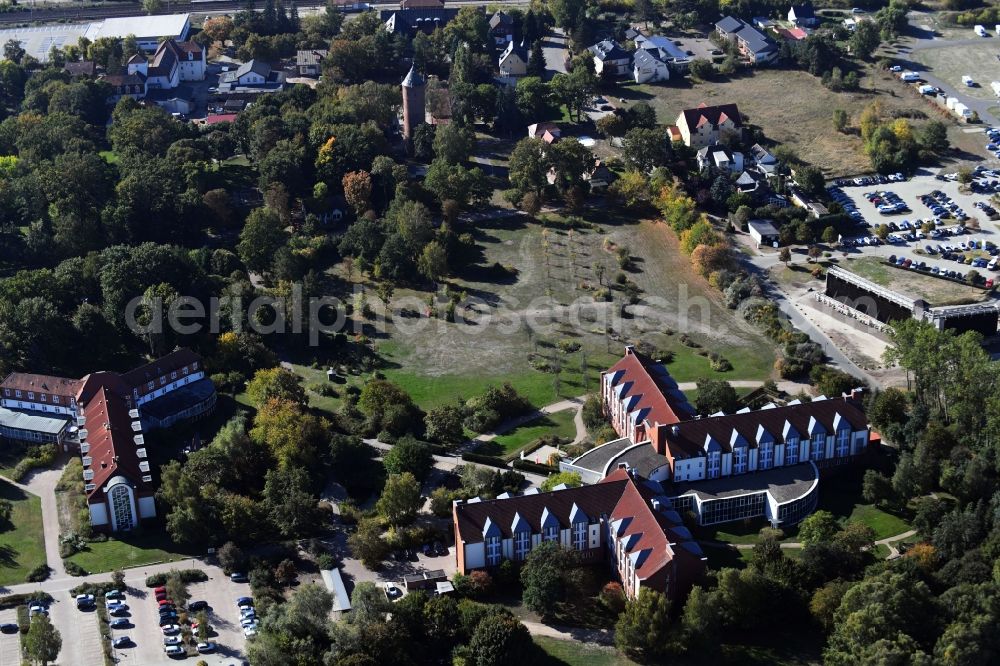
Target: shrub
326	561
96	589
185	575
40	456
613	597
38	574
74	569
15	600
23	621
568	346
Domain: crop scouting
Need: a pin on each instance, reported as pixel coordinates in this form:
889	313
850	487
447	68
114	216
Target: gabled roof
729	25
656	390
646	58
81	68
687	439
48	384
310	57
712	115
161	367
501	19
113	451
649	533
593	500
517	50
608	50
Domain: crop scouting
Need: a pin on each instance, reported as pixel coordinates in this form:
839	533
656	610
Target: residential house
753	45
408	22
254	76
792	34
802	16
762	22
309	62
125	85
546	131
663	49
610	59
719	157
751	181
764	160
705	125
620	521
648	68
81	69
514	60
502	28
601	177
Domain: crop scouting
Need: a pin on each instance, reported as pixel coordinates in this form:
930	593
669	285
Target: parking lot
10	644
147	637
972	241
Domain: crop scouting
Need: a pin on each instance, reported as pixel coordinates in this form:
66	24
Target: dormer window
150	386
42	396
31	395
55	399
173	375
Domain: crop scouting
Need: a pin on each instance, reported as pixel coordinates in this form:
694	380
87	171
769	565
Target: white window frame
493	551
817	447
792	451
843	443
580	536
522	544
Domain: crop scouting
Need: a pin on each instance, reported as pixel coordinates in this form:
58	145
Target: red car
165	602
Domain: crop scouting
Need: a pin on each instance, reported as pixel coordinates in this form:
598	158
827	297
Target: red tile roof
48	384
653	530
712	114
221	118
109	433
650	381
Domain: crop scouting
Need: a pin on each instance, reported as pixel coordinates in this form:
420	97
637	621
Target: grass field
935	291
22	545
559	424
571	653
951	63
791	106
513	322
132	550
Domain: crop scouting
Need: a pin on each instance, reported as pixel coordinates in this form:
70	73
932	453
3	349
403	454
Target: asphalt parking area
10	644
147	636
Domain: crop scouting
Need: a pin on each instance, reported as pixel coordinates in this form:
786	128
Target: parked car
120	623
121	611
197	605
168	619
174	650
205	648
173	640
114	594
249	632
392	591
244	601
164	602
238	577
84	600
170	629
121	641
9	628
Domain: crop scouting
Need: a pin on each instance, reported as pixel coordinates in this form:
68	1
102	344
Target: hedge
43	456
186	576
96	589
528	466
15	600
23	619
494	461
39	573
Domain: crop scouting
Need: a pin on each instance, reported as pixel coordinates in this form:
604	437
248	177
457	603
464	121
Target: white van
967	80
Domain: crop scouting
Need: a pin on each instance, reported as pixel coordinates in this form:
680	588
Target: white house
647	68
514	60
610	59
253	73
721	158
802	16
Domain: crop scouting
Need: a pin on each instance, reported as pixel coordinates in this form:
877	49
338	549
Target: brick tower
413	103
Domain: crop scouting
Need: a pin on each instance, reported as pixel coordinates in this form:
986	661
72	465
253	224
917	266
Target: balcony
144	466
133	413
88	475
136	426
86	461
84	447
139	440
89	487
81	420
141	453
147	478
82	434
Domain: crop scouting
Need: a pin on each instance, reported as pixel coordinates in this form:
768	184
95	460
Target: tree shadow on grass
8	557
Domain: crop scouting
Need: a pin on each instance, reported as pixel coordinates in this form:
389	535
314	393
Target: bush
23	621
325	389
96	589
326	561
38	574
613	598
185	575
40	456
74	569
15	600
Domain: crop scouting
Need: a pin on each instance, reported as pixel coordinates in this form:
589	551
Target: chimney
622	465
675	430
656	504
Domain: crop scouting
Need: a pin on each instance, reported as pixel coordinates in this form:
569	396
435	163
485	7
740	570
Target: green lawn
109	156
571	653
22	544
841	496
133	550
559	424
10	454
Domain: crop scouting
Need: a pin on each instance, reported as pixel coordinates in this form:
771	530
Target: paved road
43	484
